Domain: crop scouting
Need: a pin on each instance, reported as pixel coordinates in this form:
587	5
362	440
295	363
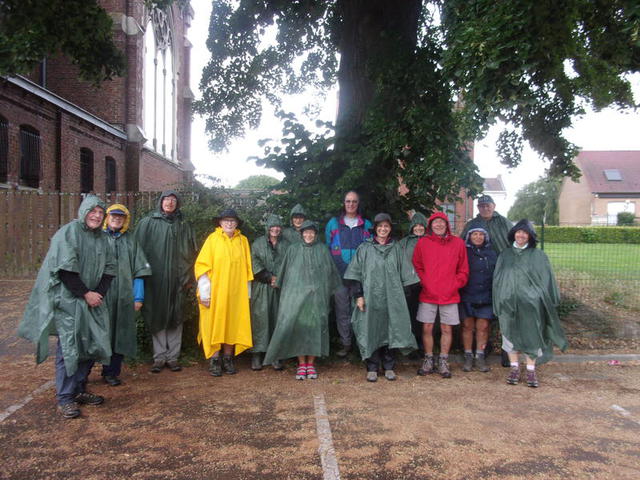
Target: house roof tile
594	163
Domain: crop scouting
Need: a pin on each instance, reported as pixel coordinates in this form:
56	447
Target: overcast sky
607	130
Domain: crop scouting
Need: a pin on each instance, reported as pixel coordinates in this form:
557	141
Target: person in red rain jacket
440	260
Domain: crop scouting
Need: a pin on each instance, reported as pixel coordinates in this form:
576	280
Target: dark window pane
4	149
29	157
110	166
86	170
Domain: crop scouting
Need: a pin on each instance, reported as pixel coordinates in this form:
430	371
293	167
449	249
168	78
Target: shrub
591	234
626	219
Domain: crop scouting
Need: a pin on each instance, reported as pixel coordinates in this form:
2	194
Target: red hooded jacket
441	264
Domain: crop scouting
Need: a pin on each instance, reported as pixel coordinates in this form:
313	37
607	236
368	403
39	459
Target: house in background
610	184
59	133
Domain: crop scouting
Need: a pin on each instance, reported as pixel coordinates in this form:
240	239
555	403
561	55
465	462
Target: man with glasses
344	234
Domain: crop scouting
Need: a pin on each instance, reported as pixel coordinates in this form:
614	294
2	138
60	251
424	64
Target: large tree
418	81
537	201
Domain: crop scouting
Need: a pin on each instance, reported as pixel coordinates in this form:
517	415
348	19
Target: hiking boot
215	367
278	365
504	359
427	367
468	362
112	380
443	368
311	372
157	367
86	398
390	375
343	351
514	376
532	379
372	376
69	410
301	372
481	364
256	361
174	366
228	366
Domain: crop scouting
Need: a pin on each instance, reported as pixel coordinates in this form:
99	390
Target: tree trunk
372	33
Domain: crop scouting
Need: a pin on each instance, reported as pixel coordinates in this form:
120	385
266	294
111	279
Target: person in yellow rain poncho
223	271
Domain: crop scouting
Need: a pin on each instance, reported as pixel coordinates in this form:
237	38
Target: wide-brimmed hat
229	213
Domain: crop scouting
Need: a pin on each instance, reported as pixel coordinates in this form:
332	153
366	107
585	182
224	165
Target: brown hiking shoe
427	366
481	364
86	398
69	410
443	368
468	362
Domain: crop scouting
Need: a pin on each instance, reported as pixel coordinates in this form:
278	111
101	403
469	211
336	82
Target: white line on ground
14	408
624	412
328	459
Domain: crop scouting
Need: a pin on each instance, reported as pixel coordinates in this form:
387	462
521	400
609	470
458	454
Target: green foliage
537	201
592	235
626	219
258	182
421	89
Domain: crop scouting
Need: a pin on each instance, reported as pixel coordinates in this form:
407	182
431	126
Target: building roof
493	185
611	171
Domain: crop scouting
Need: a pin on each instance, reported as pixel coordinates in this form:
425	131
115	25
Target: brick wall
157	173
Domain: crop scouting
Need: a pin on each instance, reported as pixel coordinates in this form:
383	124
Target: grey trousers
167	344
342	299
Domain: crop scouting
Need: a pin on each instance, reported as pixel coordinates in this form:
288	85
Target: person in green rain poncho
67	300
267	253
491	221
126	294
307	277
417	229
381	320
292	234
525	298
170	247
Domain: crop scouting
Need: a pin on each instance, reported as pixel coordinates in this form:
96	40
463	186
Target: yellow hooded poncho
227	263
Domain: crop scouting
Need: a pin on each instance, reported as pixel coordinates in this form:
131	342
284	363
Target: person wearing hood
126	294
381	321
343	235
267	253
525	299
492	222
169	244
475	296
223	271
440	260
417	229
297	217
67	300
307	278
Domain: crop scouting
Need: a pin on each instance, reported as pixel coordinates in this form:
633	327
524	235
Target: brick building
59	133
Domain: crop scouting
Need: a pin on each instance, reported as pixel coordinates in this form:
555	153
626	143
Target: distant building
610	184
493	186
58	133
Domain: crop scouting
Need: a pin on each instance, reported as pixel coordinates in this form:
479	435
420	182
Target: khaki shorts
448	313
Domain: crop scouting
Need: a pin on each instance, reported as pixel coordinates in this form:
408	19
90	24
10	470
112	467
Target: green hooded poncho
525	297
290	234
308	277
131	263
169	244
53	310
408	244
498	228
265	262
383	274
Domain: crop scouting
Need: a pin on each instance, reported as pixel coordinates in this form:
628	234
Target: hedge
590	234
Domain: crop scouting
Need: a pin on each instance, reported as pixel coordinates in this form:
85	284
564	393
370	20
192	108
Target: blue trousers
114	368
67	387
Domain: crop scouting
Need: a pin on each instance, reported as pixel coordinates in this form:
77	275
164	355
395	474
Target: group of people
274	297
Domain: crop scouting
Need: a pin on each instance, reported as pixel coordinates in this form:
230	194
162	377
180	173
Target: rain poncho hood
168	193
298	210
169	244
383	274
467	238
408	243
525	298
527	226
127	217
272	220
53	310
265	261
497	226
307	278
290	233
417	219
226	261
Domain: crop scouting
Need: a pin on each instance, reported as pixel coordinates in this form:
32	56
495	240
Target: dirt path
584	422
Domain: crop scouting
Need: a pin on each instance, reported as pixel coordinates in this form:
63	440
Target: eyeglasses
229	220
351	201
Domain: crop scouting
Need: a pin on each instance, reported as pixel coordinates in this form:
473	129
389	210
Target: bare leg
427	338
310	359
302	360
513	357
227	349
482	334
445	339
468	326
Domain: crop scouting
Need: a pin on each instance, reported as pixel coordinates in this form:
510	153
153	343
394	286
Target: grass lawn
611	261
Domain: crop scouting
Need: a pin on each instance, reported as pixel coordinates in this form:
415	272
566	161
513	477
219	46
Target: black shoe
112	380
69	410
174	366
86	398
228	366
343	351
256	361
157	367
506	363
215	366
278	365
